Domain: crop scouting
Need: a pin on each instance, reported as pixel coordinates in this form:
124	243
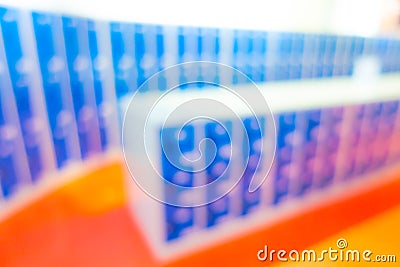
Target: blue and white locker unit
315	154
82	84
263	56
21	55
124	57
104	83
14	167
56	87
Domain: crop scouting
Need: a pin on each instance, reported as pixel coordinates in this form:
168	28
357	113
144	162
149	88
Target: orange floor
379	234
60	230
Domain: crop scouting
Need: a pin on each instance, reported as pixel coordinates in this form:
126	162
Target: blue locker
82	84
53	66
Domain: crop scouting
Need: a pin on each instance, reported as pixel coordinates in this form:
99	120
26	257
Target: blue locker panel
242	51
173	143
209	49
329	55
386	133
394	153
331	126
53	66
14	169
295	61
160	56
169	55
311	123
178	221
370	134
188	51
286	126
148	54
354	137
220	134
253	144
8	153
318	68
282	67
20	69
258	56
309	60
124	57
104	83
81	82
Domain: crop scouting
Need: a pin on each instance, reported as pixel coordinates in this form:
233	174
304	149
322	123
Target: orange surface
75	226
380	235
45	231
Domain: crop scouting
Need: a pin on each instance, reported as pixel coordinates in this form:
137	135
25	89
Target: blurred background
68	68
